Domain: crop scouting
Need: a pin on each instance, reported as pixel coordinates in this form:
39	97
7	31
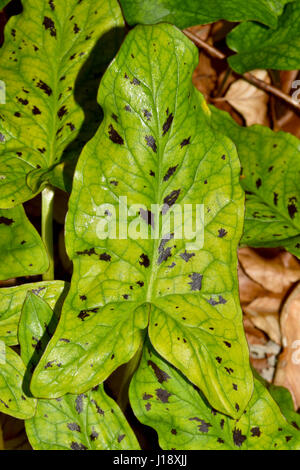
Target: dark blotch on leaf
147	114
238	437
160	374
62	112
36	110
167	124
49	24
115	136
144	260
170	200
86	313
258	183
147	396
147	216
43	86
292	207
196	281
6	221
77	446
214	302
185	142
79	403
255	431
94	435
73	427
170	172
222	233
186	256
105	257
151	142
163	395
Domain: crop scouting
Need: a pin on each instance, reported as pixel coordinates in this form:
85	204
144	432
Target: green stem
47	229
129	370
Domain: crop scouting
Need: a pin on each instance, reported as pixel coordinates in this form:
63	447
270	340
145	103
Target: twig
199	42
247	76
271	89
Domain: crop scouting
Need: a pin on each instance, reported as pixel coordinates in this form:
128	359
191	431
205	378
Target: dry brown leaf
288	368
202	31
264	313
204	76
276	275
249	100
253	334
249	290
263	352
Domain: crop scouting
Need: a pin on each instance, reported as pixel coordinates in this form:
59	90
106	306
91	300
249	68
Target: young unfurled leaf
12	299
155	146
22	251
13	400
33	336
46	62
87	421
266	48
270	176
192	12
163	399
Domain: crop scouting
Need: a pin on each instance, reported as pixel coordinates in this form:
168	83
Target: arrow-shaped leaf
270	176
46	63
163	399
259	47
22	251
192	12
155	146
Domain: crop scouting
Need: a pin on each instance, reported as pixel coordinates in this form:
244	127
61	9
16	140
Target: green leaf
163	399
88	421
155	145
36	313
270	176
52	60
13	400
12	299
259	47
192	12
3	3
284	400
22	251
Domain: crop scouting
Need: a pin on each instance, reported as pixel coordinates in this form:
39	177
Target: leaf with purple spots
186	421
157	283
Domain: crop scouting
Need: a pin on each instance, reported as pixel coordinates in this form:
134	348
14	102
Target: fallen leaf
288	368
204	76
249	100
276	274
264	313
249	289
